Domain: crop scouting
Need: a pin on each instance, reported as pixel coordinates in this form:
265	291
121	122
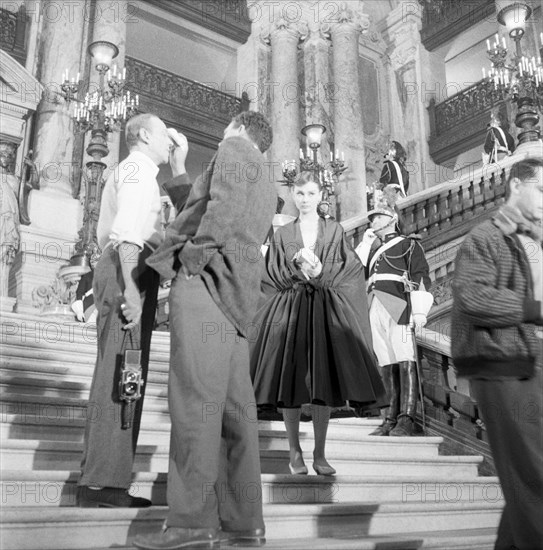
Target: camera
131	380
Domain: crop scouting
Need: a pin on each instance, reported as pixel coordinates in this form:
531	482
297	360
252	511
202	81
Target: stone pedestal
41	255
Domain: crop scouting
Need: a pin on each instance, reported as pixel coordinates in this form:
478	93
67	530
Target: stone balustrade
459	123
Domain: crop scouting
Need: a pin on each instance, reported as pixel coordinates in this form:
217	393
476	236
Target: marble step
24	411
361	446
58	488
33	454
366	543
20	331
468	539
463	539
65	528
37	360
28	423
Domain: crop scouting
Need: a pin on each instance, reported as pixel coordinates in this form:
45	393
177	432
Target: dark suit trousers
109	450
214	474
513	414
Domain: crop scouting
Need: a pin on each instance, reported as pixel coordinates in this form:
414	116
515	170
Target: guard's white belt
385	277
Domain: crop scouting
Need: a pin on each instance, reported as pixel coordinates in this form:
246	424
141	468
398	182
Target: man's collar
389	236
140	156
249	141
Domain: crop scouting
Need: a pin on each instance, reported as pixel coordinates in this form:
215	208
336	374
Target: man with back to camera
125	293
212	250
497	343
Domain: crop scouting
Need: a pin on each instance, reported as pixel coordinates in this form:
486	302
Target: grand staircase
389	493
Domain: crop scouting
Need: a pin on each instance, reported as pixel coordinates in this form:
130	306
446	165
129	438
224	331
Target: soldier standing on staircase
395	268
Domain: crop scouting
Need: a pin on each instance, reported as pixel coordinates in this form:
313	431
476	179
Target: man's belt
385	277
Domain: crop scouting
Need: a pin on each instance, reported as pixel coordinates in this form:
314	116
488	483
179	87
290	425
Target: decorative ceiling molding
443	19
228	18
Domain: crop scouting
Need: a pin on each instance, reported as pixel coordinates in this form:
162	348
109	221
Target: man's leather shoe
178	538
108	497
250	537
385	428
404	428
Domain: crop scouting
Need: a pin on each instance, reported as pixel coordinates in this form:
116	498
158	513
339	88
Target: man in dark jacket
497	343
212	251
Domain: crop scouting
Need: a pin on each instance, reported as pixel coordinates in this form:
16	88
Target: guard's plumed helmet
385	203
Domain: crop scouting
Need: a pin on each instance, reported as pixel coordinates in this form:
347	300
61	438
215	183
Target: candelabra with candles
327	174
521	77
100	112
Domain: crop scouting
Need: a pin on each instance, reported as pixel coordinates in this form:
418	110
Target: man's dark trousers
109	450
214	474
513	414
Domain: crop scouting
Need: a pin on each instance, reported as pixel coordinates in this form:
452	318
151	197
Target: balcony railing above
183	102
460	122
12	33
444	19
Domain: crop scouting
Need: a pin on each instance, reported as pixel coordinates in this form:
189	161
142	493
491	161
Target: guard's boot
408	393
391	380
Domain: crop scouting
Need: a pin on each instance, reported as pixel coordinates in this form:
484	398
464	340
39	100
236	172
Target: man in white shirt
125	293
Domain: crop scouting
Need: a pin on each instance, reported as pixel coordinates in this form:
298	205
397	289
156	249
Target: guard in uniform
395	266
498	143
394	172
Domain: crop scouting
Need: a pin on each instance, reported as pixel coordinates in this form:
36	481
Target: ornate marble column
318	91
61	43
413	84
54	214
283	37
349	131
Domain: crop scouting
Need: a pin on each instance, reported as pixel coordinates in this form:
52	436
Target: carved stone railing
202	111
444	212
442	20
450	409
12	33
460	122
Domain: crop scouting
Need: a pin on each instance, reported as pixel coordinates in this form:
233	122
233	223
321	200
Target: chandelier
517	75
325	173
109	105
102	111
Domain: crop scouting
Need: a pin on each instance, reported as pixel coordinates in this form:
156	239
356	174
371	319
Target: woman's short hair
307	176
